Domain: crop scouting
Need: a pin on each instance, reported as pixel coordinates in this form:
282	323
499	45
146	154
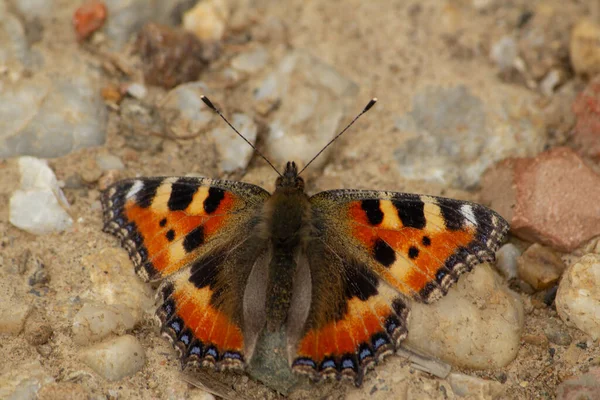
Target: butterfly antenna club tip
210	105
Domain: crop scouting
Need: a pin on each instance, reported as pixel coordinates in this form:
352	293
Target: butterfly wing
371	251
193	234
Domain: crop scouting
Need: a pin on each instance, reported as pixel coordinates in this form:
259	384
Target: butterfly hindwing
377	249
192	233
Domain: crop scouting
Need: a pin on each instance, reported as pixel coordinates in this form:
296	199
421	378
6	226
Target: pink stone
586	386
551	199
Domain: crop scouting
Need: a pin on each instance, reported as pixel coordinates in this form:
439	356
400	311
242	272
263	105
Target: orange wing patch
203	334
165	223
422	243
370	329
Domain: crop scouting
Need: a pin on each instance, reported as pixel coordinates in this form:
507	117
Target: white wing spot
137	186
467	211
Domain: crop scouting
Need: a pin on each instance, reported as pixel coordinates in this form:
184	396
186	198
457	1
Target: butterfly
334	271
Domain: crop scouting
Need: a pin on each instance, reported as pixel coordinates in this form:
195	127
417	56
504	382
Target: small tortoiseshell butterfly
334	271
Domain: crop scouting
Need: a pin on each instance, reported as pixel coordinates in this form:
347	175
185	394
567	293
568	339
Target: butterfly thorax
288	223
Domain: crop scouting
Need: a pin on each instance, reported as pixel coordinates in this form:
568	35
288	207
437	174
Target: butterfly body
333	273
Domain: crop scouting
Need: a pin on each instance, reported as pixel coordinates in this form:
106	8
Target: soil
390	49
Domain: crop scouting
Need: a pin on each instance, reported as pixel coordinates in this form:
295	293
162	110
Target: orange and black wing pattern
372	251
189	232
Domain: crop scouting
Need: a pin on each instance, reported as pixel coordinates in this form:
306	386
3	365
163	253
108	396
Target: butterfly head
290	178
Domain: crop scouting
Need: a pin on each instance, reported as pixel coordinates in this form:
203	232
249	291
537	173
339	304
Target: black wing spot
426	241
146	194
170	235
450	209
163	222
360	282
411	211
204	272
373	211
214	198
182	194
413	252
383	253
194	239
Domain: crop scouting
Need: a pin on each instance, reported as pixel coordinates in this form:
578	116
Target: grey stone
50	118
454	136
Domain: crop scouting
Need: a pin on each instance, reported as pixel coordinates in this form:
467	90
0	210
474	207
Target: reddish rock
172	56
88	18
586	386
586	108
551	198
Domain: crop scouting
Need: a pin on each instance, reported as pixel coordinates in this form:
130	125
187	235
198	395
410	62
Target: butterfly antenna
367	108
215	109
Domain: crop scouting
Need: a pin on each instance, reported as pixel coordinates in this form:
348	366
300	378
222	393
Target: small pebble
107	162
584	47
137	90
115	358
39	206
88	18
578	296
506	260
171	56
111	95
540	266
94	322
558	335
13	312
37	331
207	20
537	340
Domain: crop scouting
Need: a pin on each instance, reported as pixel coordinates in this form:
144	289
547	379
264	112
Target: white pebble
116	358
96	321
39	206
506	260
578	296
477	324
108	162
137	90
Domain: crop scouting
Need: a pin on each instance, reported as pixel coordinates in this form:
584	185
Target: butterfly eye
299	183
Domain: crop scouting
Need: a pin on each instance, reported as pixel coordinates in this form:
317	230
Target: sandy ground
390	49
